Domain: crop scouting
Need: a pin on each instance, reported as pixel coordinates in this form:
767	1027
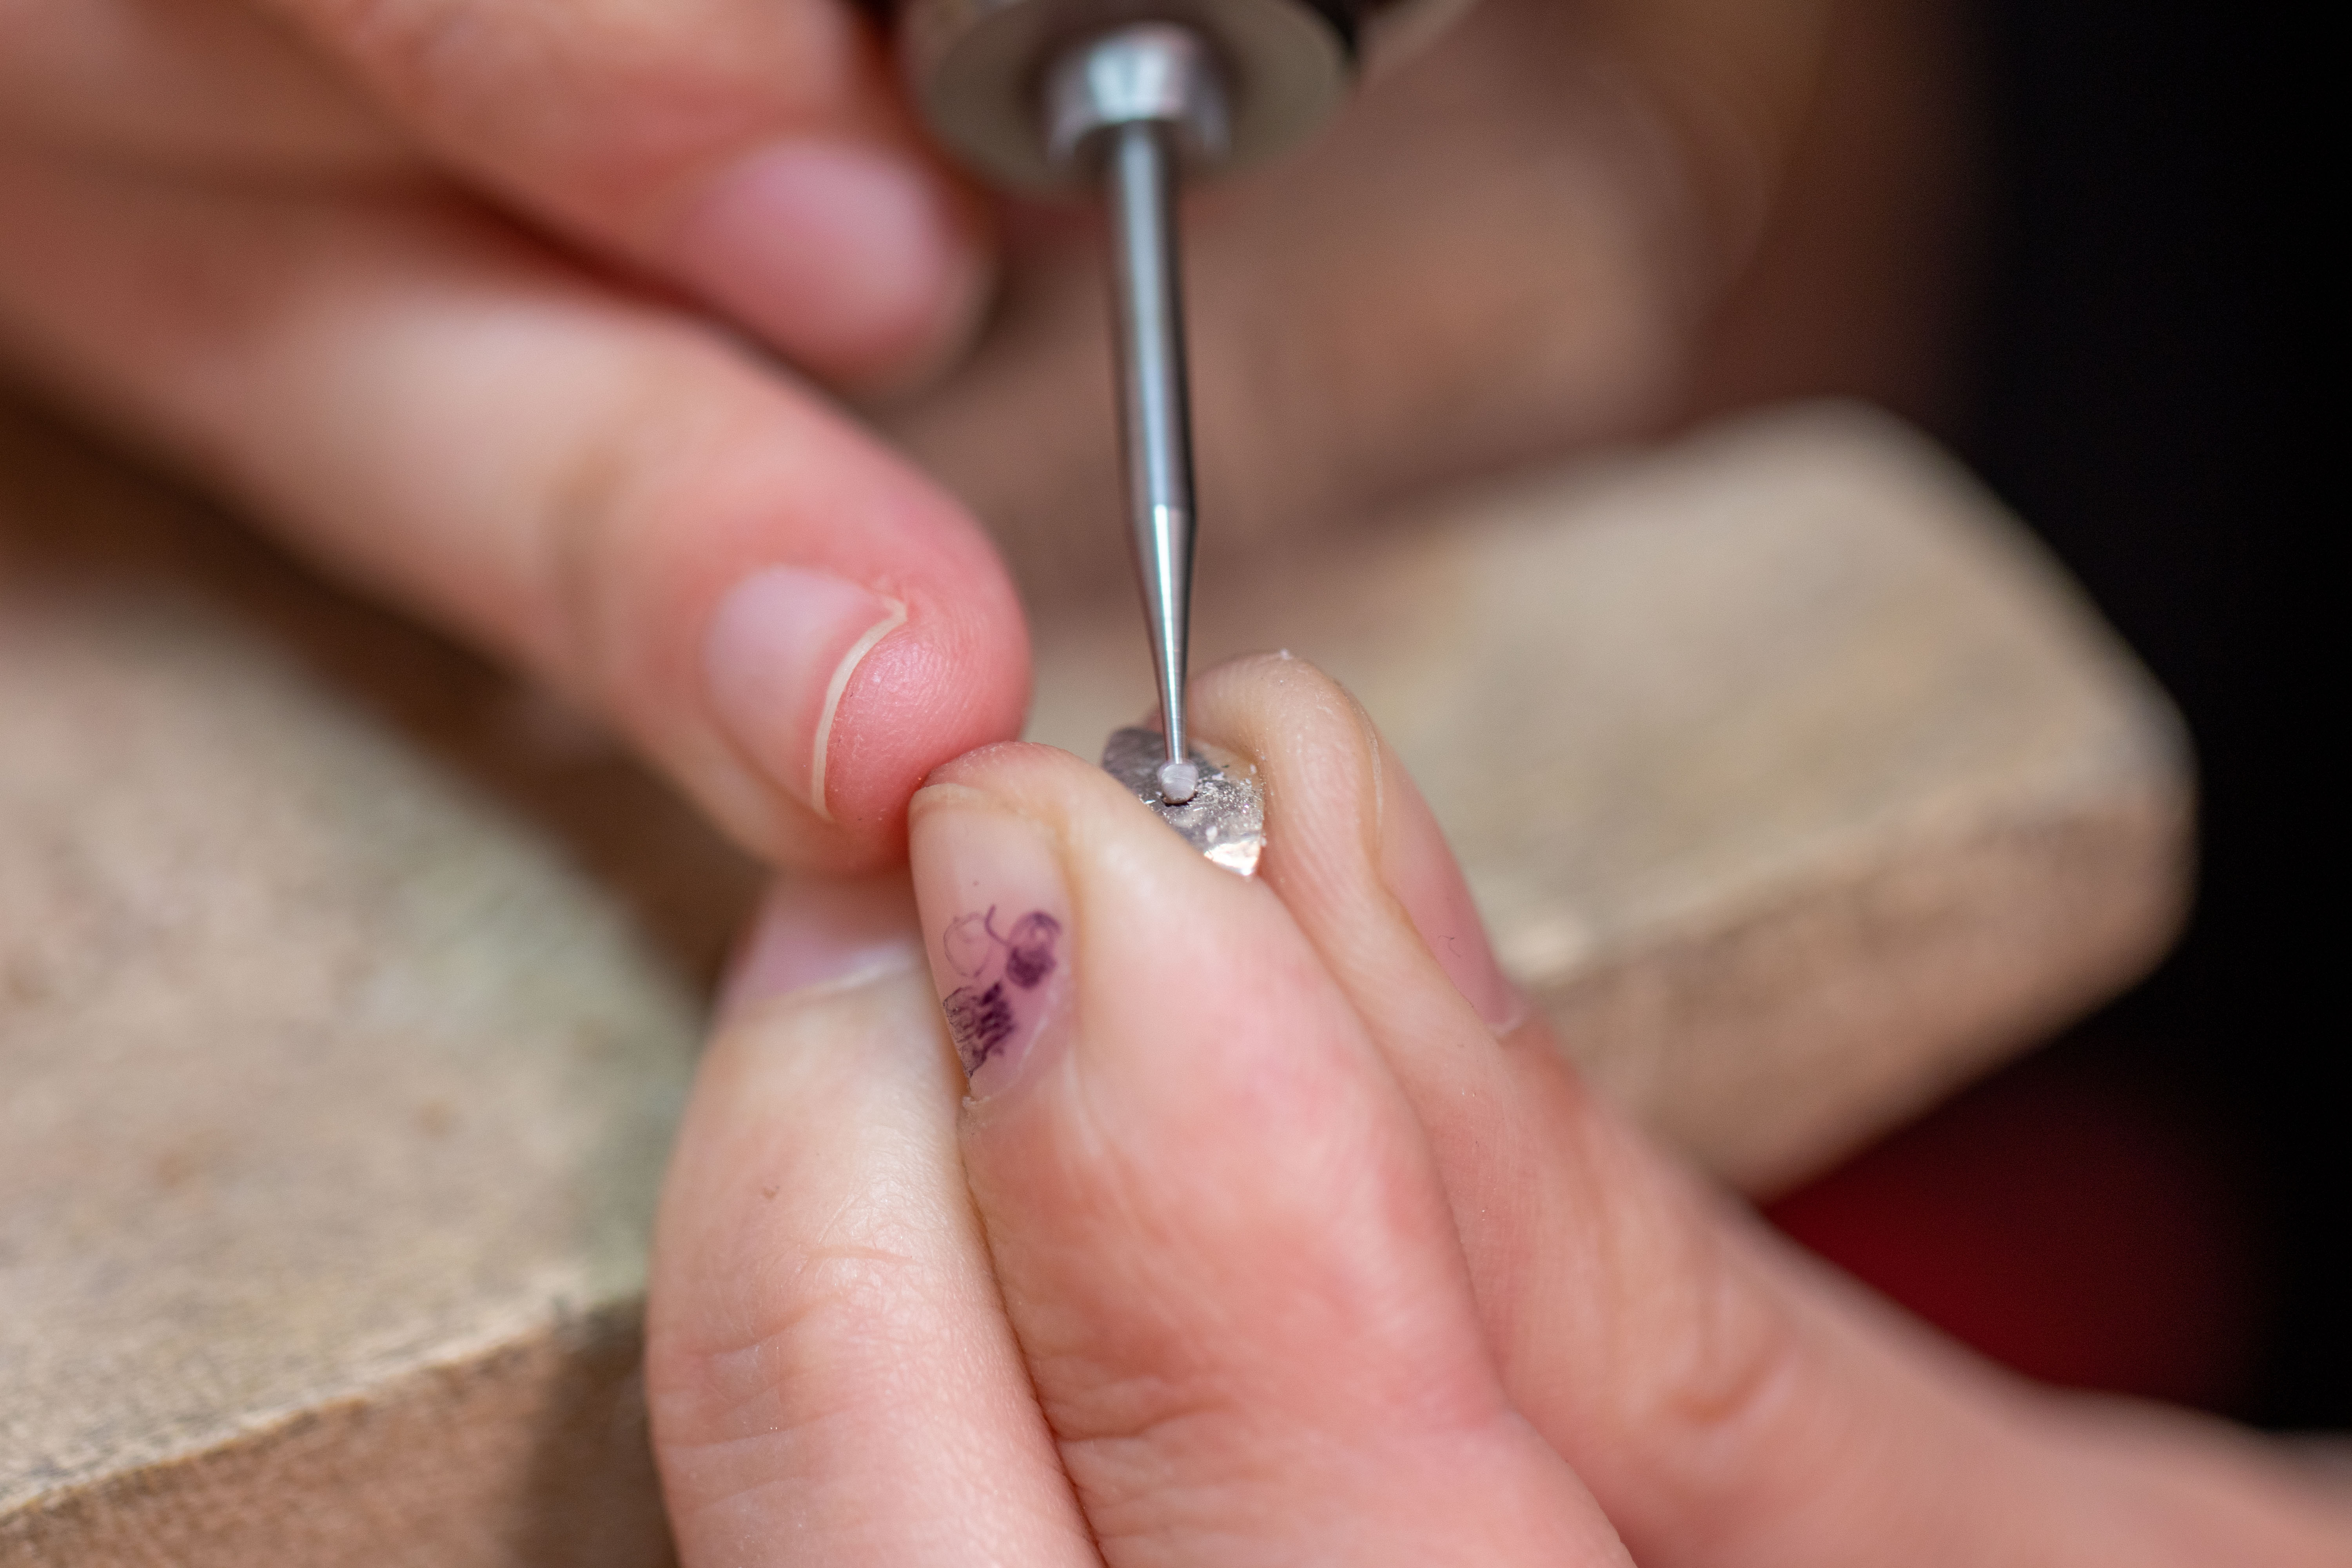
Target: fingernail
780	654
996	928
837	254
813	931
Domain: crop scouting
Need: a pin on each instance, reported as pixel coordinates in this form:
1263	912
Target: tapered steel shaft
1140	180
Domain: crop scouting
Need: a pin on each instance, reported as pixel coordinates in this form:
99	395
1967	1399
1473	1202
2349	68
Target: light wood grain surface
348	988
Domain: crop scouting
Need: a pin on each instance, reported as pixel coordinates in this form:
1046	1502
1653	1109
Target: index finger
787	614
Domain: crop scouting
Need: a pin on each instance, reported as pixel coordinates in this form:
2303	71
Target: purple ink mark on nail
967	942
980	1018
979	1022
1029	949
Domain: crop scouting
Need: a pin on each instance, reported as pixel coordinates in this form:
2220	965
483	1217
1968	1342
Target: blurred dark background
2155	1203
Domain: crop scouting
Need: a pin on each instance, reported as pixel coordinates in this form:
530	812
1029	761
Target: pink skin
816	932
1208	1127
827	1365
508	310
646	471
852	255
425	284
1268	1248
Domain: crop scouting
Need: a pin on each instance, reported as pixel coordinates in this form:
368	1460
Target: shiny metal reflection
1225	819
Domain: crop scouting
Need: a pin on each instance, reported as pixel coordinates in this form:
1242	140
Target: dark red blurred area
2063	1218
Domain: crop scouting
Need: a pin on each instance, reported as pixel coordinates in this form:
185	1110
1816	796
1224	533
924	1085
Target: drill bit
1135	93
1156	417
1135	101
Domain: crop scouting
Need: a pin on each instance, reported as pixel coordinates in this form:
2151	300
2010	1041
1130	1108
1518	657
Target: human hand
1275	1230
431	284
436	286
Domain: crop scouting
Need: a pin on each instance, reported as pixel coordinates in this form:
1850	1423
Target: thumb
1222	1245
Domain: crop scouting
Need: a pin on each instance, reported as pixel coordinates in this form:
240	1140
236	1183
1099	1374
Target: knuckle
1708	1351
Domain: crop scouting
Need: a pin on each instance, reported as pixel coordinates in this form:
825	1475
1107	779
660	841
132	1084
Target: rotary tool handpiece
1126	98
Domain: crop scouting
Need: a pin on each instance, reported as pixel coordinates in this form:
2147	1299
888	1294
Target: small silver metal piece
1224	818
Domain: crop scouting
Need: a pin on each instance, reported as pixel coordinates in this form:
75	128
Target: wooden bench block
335	1107
347	989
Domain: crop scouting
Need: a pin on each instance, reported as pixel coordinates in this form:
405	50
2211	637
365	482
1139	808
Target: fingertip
954	679
1346	823
830	629
1018	774
1020	837
861	262
760	156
